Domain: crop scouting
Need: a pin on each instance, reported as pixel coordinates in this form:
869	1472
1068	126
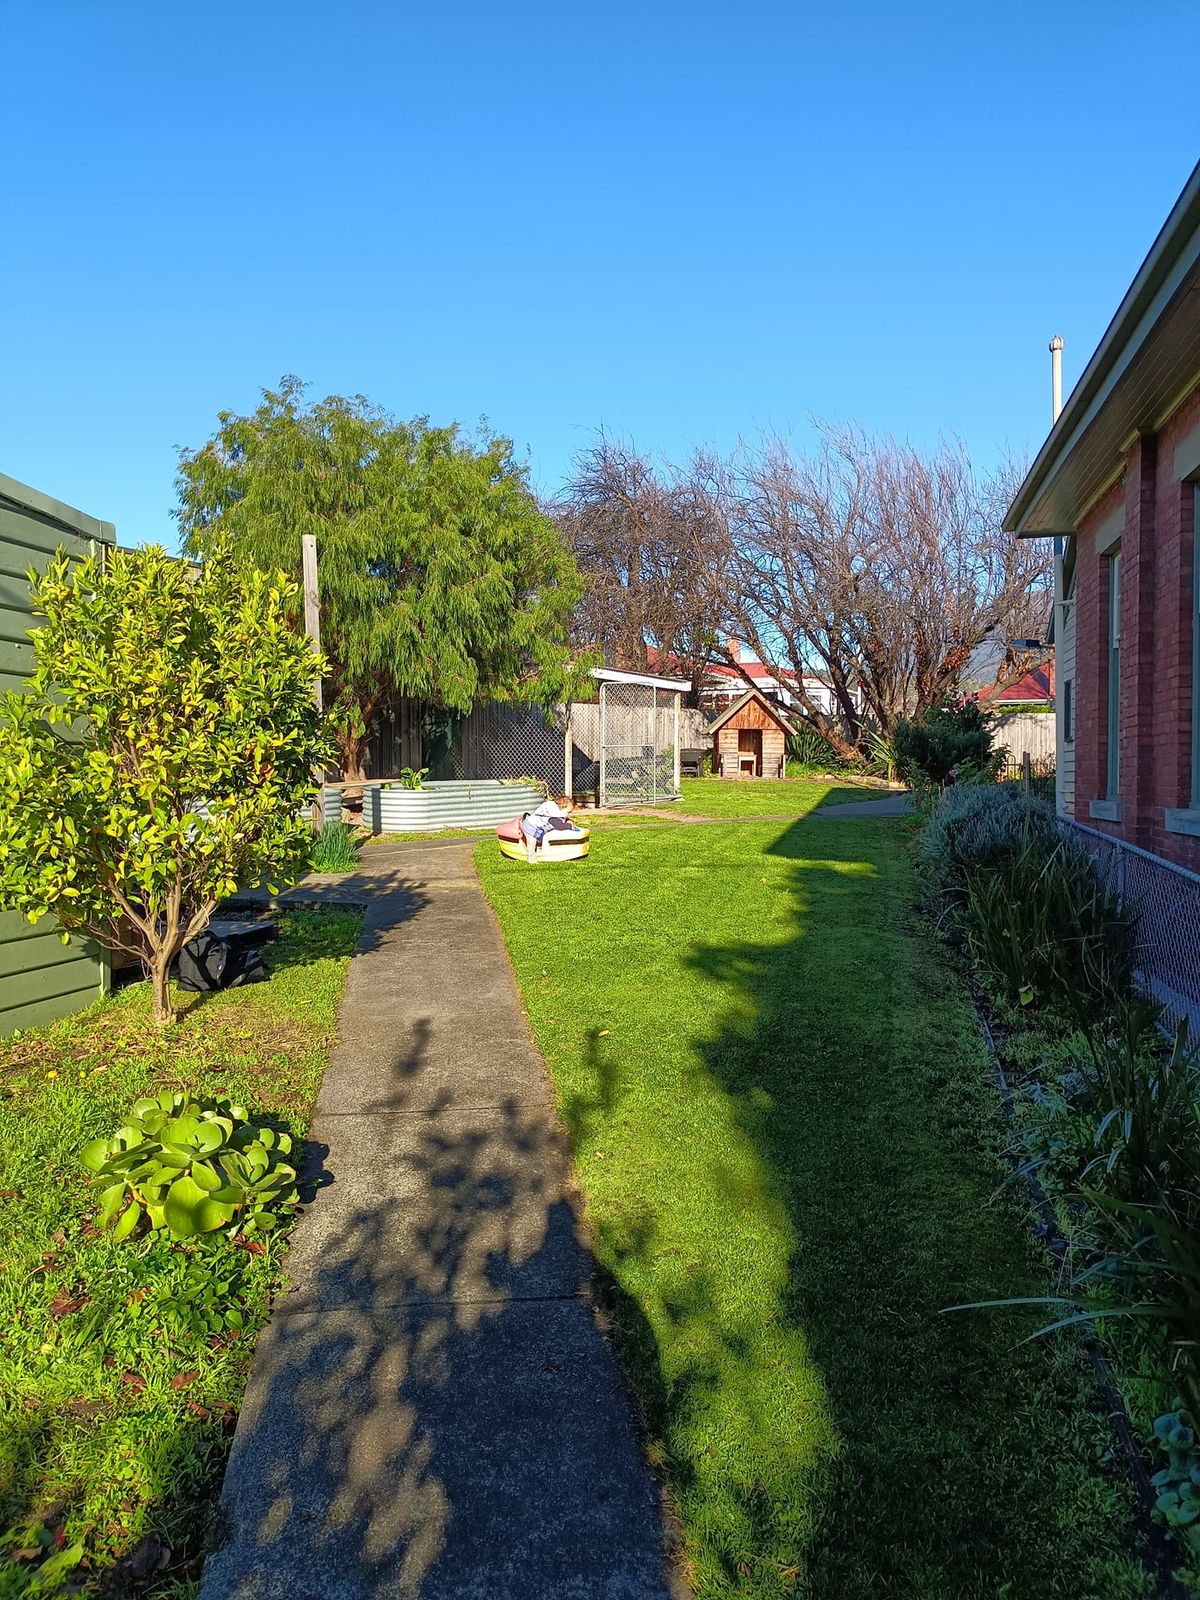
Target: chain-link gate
1167	899
639	744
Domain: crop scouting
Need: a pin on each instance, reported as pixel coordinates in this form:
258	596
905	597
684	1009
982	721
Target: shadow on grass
951	1460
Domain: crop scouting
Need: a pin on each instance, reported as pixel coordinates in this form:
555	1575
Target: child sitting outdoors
551	815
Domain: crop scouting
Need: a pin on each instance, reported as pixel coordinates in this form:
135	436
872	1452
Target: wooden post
677	700
312	629
1026	771
568	773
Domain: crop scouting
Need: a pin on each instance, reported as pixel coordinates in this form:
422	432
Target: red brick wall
1157	565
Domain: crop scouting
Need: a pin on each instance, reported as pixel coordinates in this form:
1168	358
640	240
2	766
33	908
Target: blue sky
683	222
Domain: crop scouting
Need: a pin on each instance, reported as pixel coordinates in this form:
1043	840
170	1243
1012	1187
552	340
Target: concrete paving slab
433	1413
426	1062
470	1205
483	1453
891	805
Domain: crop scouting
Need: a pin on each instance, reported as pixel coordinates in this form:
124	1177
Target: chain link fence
507	741
1167	899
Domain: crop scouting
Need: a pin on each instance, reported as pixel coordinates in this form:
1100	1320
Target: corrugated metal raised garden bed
469	803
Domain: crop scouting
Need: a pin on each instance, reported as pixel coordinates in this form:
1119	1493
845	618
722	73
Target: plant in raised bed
188	1166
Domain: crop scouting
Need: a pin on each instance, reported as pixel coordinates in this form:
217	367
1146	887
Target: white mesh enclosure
639	732
1167	899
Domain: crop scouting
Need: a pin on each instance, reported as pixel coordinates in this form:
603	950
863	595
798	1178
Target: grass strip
790	1152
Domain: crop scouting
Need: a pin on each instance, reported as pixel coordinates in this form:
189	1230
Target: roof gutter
1172	256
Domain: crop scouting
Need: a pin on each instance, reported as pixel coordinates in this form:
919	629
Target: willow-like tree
440	576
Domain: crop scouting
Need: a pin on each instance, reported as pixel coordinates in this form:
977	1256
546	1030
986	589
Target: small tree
160	754
946	741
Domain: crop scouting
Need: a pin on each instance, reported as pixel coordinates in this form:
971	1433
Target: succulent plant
189	1166
1178	1483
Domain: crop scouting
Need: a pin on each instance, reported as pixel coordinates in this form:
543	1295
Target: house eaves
1144	366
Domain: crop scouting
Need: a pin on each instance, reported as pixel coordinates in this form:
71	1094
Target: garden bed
114	1424
480	803
1103	1130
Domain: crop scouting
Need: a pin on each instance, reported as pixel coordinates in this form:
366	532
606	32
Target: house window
1114	675
1069	711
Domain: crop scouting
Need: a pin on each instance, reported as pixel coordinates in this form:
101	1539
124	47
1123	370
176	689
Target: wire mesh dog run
637	738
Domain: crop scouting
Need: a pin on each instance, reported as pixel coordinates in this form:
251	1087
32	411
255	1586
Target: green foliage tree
440	576
946	741
161	752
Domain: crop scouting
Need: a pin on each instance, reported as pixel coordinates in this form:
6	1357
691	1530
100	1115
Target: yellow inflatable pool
558	845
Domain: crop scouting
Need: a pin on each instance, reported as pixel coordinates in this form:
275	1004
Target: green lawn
113	1433
787	1142
767	797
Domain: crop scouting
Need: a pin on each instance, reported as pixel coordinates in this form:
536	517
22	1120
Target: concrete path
889	805
432	1412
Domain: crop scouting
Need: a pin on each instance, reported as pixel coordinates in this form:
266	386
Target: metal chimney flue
1056	350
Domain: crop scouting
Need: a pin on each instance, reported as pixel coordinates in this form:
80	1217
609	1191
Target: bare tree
881	569
651	542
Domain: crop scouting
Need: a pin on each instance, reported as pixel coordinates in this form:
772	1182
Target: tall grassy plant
334	849
1042	922
1145	1091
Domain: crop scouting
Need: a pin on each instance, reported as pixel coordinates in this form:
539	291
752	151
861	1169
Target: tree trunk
350	749
160	978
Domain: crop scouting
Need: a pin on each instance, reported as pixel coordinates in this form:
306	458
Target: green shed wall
40	978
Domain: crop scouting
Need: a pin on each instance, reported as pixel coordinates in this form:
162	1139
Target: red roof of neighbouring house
1035	687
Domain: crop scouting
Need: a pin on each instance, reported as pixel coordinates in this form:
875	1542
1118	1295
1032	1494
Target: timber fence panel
40	978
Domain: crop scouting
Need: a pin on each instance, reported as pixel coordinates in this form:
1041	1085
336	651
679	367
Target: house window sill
1105	810
1187	821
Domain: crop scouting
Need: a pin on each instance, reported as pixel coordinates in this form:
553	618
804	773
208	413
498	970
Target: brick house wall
1151	513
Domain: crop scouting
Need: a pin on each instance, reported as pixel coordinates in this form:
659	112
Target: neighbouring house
724	683
1032	691
1022	717
1116	486
750	738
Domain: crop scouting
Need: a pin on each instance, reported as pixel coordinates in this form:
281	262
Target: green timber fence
40	978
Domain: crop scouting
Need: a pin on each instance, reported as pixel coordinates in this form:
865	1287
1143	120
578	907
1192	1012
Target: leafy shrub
810	750
948	742
190	694
1041	921
412	777
972	828
189	1166
334	849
